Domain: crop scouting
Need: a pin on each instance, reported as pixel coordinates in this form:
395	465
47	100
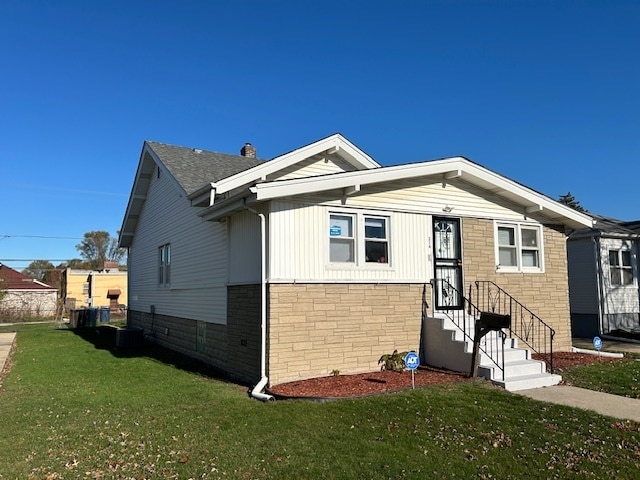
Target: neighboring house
603	278
22	296
95	288
321	259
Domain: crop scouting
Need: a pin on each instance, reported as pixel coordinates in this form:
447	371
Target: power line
40	236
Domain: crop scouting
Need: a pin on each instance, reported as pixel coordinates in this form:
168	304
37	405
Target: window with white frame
376	243
164	264
620	267
519	247
341	238
358	239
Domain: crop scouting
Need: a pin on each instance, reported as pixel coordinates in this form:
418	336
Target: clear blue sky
546	93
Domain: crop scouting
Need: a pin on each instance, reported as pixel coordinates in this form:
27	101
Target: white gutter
257	391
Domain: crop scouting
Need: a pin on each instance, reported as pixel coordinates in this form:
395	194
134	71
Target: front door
447	254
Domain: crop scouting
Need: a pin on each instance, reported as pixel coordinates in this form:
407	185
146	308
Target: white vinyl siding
425	196
198	253
312	167
244	248
300	246
618	298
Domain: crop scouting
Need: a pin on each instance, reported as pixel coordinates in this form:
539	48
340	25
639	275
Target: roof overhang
334	144
458	168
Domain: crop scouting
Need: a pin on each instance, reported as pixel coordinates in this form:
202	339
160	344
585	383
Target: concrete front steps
446	347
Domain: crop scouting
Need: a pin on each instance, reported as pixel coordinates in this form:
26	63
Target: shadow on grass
103	337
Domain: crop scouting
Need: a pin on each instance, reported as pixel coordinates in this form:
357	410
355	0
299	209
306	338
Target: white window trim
360	262
519	268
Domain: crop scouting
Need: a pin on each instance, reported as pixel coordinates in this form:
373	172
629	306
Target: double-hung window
518	247
342	239
620	267
376	242
358	239
164	264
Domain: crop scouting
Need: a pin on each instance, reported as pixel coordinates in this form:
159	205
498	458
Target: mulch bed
342	386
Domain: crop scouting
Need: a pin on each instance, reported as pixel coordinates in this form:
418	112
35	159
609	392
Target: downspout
257	391
599	282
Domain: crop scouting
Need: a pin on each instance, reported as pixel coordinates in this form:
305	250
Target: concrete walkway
6	340
603	403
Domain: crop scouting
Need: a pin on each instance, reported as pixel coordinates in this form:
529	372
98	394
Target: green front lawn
72	408
617	377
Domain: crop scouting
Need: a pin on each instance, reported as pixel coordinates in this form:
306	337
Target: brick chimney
248	150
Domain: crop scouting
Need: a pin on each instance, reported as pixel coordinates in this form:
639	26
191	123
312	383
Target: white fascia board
335	143
533	201
297	186
448	168
204	197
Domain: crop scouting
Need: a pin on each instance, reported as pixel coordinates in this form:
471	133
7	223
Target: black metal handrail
463	313
525	325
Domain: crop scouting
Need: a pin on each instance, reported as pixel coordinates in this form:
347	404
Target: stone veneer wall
317	328
234	349
546	295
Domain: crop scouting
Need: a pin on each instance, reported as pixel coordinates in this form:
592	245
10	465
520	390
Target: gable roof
11	279
444	169
192	167
202	174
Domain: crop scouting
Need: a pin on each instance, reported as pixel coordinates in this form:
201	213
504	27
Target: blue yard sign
597	343
411	360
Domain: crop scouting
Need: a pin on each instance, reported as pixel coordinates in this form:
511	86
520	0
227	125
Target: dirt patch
341	386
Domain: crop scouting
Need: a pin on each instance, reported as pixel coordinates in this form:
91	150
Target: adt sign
411	360
597	343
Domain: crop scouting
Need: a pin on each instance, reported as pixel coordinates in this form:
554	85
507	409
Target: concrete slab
6	340
602	403
608	345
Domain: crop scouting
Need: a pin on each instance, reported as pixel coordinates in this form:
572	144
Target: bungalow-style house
22	296
321	259
95	288
603	279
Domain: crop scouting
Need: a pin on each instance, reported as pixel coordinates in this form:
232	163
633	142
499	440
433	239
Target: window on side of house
357	239
164	264
376	243
341	238
620	267
518	247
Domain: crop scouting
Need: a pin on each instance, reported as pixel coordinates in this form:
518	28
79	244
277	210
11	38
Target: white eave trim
333	144
448	168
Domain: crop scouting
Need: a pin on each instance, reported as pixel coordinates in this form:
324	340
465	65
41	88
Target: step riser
521	372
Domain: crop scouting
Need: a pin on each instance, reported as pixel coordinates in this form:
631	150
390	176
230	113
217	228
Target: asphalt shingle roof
195	168
11	279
